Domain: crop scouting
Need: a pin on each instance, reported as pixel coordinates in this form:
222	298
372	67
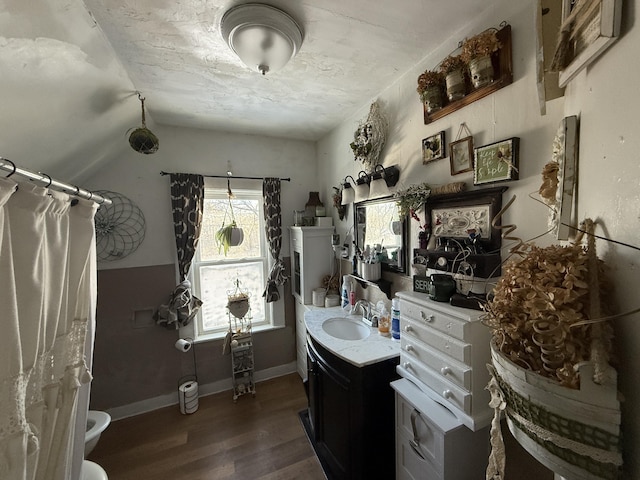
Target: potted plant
430	90
412	199
229	235
476	53
453	68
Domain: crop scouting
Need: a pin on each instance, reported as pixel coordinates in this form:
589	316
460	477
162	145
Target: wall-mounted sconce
362	187
348	194
382	180
373	185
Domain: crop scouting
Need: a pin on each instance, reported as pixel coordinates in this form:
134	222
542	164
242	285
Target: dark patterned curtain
273	227
187	201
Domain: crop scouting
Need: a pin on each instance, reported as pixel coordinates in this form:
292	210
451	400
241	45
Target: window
214	274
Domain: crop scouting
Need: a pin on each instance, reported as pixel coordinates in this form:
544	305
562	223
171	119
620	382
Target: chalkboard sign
496	162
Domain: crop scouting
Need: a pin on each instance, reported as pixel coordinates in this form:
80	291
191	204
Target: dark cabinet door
334	414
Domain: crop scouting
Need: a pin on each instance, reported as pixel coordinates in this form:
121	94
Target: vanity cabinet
351	415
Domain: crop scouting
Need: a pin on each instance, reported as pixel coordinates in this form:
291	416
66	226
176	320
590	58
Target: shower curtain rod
231	176
48	182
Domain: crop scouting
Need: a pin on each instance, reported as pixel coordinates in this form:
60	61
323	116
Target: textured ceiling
174	54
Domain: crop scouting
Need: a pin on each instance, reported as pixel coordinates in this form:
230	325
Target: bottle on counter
384	323
395	318
346	288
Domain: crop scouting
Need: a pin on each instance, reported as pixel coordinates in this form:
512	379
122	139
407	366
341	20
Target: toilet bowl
92	471
96	423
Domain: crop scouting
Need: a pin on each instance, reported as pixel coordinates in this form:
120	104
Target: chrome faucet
367	309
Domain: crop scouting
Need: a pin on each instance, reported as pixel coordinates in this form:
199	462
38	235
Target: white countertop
373	349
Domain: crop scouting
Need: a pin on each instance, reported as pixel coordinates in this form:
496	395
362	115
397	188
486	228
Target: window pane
216	213
216	281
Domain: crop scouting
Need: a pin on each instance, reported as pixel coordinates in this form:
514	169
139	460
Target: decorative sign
496	162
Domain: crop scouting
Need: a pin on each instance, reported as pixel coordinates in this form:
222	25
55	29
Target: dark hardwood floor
258	437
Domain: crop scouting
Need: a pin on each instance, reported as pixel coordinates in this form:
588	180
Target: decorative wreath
369	139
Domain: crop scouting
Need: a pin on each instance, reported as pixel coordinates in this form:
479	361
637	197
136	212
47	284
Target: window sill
220	335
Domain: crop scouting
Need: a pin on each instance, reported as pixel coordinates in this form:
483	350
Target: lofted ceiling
352	49
70	70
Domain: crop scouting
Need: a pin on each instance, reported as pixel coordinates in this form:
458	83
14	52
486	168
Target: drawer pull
427	318
447	394
415	442
408	328
406	365
445	371
409	348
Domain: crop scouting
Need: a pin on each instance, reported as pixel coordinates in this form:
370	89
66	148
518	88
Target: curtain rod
231	176
48	182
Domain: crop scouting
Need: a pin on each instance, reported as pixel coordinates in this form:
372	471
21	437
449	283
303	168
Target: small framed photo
433	148
461	155
496	162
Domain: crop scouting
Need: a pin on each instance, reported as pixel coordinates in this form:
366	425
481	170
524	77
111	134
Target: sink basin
346	329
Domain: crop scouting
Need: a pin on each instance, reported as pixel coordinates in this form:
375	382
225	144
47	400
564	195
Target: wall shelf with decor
503	76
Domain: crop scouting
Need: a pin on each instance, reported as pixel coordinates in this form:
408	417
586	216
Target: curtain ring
48	178
12	164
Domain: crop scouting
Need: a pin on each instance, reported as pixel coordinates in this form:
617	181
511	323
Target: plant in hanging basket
229	236
238	304
481	45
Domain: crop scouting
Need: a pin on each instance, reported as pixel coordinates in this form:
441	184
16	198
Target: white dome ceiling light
264	37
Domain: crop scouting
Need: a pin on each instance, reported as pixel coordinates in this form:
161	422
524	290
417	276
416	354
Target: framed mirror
378	226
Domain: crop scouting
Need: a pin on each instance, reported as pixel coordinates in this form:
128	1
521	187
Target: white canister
317	296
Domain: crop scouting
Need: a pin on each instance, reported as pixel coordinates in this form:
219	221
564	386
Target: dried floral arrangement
369	138
480	45
452	63
337	202
545	310
427	80
411	199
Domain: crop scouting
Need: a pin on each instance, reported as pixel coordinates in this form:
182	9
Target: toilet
92	471
97	422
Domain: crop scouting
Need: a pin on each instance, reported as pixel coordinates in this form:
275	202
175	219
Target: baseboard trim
150	404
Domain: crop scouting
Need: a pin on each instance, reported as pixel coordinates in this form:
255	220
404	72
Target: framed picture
461	155
593	25
496	162
433	148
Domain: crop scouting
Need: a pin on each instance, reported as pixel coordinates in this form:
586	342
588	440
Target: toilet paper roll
188	397
183	345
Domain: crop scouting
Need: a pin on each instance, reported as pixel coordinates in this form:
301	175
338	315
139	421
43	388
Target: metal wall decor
120	227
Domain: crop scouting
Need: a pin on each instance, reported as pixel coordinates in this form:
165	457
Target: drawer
410	465
455	372
450	392
430	439
446	344
455	327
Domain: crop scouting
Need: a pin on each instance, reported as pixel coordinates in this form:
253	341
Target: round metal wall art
120	227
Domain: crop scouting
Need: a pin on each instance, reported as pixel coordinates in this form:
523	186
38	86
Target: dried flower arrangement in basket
539	307
451	64
480	45
427	80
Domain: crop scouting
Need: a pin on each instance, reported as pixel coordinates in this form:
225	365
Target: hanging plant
412	199
229	235
142	140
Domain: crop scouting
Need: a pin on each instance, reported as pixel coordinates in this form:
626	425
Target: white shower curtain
47	294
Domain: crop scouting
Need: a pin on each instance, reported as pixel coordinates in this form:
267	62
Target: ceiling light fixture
265	38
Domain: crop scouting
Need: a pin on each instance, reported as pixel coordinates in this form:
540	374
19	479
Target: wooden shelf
503	74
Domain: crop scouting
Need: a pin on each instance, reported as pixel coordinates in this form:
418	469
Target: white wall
137	176
605	98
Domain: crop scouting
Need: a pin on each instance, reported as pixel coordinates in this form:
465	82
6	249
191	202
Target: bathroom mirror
378	225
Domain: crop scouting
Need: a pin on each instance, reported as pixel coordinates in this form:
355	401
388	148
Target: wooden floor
258	437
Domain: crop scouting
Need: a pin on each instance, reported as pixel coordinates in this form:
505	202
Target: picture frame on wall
461	155
433	148
496	162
